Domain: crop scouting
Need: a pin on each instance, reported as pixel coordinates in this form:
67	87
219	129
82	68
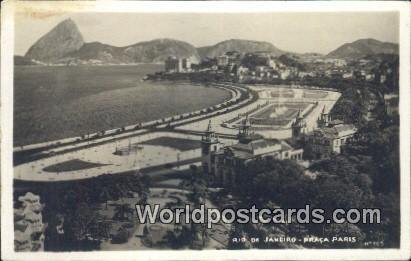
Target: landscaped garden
317	94
175	143
278	115
284	93
72	165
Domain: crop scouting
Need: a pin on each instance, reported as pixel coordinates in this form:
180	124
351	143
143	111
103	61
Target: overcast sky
295	32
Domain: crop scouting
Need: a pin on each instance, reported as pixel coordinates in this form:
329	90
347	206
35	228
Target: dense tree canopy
365	175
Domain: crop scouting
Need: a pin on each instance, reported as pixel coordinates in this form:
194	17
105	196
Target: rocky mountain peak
63	39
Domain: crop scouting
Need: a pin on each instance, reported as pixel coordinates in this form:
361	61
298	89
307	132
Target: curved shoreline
100	150
117	130
48	149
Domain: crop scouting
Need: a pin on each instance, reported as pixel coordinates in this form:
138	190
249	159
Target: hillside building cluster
264	67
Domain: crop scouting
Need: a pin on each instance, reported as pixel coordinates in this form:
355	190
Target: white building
175	65
329	137
222	60
222	163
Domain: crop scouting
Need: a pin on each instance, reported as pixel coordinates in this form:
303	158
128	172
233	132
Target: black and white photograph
262	129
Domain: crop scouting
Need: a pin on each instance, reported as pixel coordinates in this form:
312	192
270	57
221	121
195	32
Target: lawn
282	93
315	94
277	115
72	165
175	143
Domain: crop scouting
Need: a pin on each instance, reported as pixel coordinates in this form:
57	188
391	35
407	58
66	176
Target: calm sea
58	102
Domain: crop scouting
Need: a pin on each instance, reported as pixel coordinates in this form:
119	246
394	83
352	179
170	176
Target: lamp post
178	160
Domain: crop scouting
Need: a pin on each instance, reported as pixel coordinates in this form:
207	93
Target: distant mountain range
145	52
65	44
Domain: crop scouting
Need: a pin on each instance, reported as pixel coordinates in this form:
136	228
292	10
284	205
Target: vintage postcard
205	130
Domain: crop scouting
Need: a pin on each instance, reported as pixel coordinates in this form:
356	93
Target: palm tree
105	195
143	197
204	234
121	190
198	187
70	200
123	212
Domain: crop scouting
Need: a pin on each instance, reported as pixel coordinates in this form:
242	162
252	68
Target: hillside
102	52
363	47
292	61
242	46
145	52
158	50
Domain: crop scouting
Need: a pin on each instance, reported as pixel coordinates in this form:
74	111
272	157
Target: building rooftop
285	146
335	122
256	144
257	147
337	131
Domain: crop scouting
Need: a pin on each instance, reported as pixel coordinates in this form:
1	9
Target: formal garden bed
175	143
72	165
278	114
